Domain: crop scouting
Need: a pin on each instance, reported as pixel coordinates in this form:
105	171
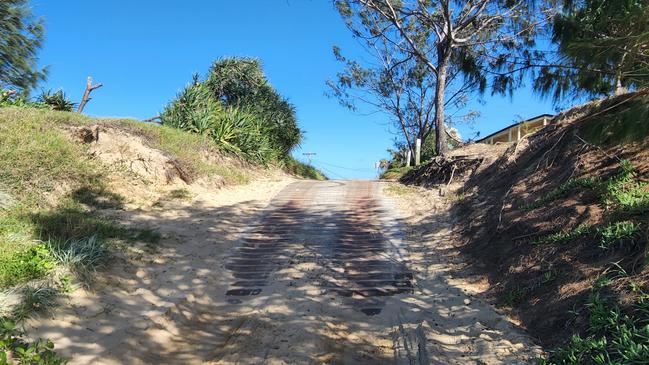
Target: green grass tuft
562	191
563	237
515	296
612	337
36	299
616	232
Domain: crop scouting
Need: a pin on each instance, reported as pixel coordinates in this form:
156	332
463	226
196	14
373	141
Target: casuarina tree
602	49
21	36
490	41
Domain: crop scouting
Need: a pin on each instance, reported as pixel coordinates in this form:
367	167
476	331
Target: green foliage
395	173
19	101
16	349
241	83
297	168
36	235
24	265
22	37
238	110
35	300
624	124
56	101
625	193
189	149
563	237
193	110
515	296
616	232
601	43
82	256
612	337
242	132
561	191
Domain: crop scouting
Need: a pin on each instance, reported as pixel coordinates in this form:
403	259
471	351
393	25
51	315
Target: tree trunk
619	89
440	91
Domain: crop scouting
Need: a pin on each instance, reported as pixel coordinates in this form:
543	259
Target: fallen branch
157	120
451	178
86	95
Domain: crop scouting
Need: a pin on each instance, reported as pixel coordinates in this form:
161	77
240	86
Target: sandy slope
118	321
172	307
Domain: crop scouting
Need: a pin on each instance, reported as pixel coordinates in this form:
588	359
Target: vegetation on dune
395	173
15	348
237	108
297	168
623	196
60	237
612	336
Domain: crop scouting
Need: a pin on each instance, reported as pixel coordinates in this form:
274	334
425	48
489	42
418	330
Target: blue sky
145	51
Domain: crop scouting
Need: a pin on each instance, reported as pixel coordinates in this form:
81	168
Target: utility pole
418	152
309	155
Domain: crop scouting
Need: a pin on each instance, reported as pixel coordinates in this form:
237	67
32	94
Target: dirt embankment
197	205
458	166
542	222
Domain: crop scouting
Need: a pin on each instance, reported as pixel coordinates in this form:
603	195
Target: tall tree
395	83
603	48
475	36
21	36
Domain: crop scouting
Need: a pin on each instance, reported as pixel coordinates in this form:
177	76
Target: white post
408	157
418	152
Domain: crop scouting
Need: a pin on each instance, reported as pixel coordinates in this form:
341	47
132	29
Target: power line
331	172
343	167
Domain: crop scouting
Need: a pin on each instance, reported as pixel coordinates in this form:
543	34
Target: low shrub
15	348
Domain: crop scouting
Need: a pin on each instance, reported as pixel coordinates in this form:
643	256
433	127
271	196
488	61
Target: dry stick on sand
451	178
86	95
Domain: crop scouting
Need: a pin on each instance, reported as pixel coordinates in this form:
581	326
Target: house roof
515	124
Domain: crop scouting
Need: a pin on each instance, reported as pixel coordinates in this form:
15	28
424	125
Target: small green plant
81	256
549	276
562	237
617	232
35	299
21	266
56	101
625	192
395	173
561	191
612	337
16	349
515	296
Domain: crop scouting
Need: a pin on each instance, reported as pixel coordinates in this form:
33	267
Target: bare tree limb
86	95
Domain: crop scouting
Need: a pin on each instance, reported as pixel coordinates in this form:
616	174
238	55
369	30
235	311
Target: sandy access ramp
319	274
